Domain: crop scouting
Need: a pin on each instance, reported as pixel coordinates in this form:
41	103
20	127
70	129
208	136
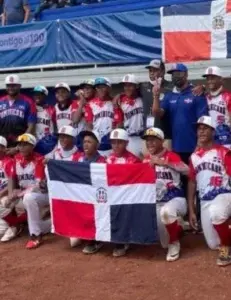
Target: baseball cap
63	85
3	141
130	78
212	71
90	82
177	67
92	133
206	120
155	63
153	131
27	138
68	130
119	134
102	80
41	89
12	79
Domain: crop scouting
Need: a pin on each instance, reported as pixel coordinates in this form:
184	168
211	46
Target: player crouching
24	183
171	202
210	171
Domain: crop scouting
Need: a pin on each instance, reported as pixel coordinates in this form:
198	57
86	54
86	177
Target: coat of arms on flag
113	203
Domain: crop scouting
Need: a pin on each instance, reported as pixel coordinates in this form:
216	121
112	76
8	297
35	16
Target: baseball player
131	105
120	155
27	172
219	105
171	202
87	89
45	126
101	115
210	171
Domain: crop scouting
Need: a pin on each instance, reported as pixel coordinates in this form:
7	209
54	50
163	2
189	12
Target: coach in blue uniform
17	112
183	109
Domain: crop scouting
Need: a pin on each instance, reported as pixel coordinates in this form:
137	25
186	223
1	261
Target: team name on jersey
43	121
217	108
12	112
136	111
63	116
208	166
26	177
104	114
164	175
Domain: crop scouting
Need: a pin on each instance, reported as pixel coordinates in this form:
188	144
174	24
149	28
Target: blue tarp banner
28	45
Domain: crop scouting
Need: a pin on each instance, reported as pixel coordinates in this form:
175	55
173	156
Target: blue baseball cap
178	67
102	80
41	89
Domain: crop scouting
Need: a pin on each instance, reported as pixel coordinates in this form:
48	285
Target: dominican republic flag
111	203
196	31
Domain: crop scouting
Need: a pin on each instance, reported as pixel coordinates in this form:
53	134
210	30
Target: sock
224	233
174	230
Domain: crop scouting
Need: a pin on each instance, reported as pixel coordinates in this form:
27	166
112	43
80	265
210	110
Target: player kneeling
210	171
120	155
171	202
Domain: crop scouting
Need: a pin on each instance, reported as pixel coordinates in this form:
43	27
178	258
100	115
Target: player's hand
156	88
43	186
11	151
115	100
45	161
155	160
198	90
193	220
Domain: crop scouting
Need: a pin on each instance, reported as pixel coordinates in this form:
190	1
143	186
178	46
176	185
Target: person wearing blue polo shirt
183	109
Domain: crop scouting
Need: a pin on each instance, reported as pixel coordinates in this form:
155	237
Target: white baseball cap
12	79
68	130
93	133
119	134
63	85
212	71
155	63
3	141
130	78
206	120
154	131
27	138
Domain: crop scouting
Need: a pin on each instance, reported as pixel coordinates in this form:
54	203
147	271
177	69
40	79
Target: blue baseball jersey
15	116
184	109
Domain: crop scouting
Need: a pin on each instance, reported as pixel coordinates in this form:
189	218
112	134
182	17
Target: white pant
168	213
135	145
33	202
215	212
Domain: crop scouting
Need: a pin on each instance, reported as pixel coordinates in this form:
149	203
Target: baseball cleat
120	250
92	248
74	242
173	251
224	256
10	234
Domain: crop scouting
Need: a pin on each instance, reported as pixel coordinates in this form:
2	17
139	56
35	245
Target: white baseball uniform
133	119
211	169
45	121
220	111
170	199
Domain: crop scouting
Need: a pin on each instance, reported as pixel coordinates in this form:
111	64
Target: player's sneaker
120	250
74	242
92	247
33	243
224	256
173	251
10	234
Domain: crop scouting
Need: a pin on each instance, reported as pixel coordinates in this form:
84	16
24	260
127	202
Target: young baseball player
210	171
131	105
45	126
120	155
101	115
27	173
87	89
171	202
219	105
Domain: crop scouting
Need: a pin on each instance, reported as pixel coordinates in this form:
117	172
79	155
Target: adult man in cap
210	171
219	105
17	113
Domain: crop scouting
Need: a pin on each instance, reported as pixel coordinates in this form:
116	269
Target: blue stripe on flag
134	223
228	39
69	172
188	9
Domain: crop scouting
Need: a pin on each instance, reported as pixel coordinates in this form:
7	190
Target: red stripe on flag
130	174
228	6
187	46
74	219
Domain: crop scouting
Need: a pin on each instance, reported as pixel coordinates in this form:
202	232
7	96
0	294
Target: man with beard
17	113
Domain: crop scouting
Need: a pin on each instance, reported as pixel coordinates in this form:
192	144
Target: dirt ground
56	272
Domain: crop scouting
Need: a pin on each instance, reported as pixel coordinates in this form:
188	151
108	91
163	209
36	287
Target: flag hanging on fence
196	31
112	203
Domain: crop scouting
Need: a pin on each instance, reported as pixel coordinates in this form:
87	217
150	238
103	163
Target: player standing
219	105
210	171
171	202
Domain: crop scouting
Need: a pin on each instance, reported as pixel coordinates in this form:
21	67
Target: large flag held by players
112	203
200	31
